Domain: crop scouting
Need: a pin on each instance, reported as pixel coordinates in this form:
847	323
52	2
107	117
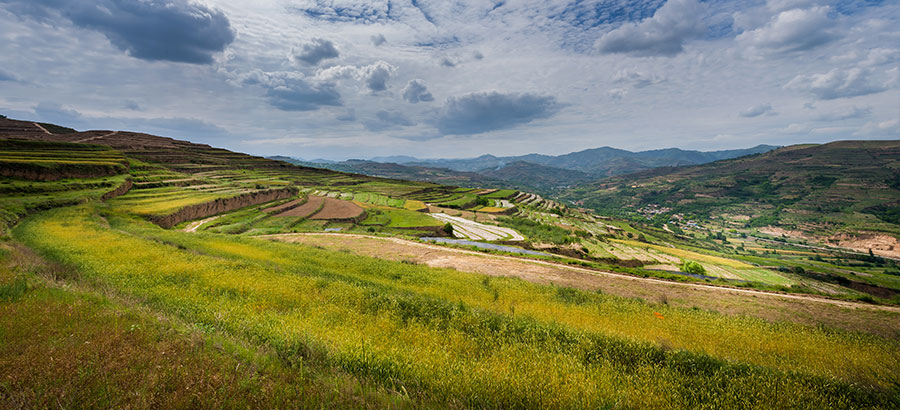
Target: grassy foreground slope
462	338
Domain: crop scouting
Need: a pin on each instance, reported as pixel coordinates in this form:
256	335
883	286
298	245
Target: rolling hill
541	173
157	272
844	186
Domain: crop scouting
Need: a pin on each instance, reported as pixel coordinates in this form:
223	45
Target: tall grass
497	343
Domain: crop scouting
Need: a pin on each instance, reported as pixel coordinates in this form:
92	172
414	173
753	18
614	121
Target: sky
340	79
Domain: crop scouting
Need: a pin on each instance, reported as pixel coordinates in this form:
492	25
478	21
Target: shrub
693	268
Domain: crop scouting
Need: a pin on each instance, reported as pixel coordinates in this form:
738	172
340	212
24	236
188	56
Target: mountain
520	174
604	161
813	188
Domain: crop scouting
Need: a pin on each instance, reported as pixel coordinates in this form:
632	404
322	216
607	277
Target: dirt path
193	226
83	140
42	128
780	307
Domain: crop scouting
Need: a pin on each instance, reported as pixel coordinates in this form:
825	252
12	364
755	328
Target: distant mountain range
543	173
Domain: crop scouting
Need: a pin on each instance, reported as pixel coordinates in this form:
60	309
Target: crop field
501	194
456	337
312	205
335	209
413	205
397	218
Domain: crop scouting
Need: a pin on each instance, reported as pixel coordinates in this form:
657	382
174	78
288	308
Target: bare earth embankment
776	307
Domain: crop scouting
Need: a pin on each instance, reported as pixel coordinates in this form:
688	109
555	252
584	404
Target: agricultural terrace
50	161
454	337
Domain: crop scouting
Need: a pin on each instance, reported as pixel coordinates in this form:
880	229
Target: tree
693	268
448	229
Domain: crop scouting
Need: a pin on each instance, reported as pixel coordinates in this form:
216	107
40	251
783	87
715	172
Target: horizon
315	80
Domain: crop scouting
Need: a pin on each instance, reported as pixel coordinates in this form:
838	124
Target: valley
321	286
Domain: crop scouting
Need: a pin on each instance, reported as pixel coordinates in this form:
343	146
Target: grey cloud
377	75
756	111
477	113
133	105
477	55
347	116
792	30
385	120
378	39
55	113
8	76
416	91
636	78
319	49
158	30
838	83
664	34
446	62
299	94
846	114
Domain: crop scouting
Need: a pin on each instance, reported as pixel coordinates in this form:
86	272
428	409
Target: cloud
477	113
378	39
664	34
159	30
316	51
792	30
346	116
756	111
375	76
477	55
617	94
386	120
133	105
292	92
838	83
53	112
636	78
848	113
446	62
8	76
416	91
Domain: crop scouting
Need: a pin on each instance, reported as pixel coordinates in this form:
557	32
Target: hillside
139	263
819	190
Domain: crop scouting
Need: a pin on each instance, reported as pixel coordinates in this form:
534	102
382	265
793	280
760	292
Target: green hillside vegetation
814	188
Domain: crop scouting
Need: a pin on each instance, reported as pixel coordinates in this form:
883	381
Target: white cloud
664	34
756	111
839	83
792	30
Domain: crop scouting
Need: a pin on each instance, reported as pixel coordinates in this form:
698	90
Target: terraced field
464	228
416	328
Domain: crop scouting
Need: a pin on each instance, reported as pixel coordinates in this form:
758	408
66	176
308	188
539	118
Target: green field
416	328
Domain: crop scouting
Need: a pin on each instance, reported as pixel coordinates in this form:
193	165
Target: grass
72	348
414	205
501	194
478	341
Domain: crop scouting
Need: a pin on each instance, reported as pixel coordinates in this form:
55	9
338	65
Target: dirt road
193	226
778	307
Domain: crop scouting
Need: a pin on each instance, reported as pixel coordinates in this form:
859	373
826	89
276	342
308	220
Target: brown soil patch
774	307
313	203
286	206
880	244
336	209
